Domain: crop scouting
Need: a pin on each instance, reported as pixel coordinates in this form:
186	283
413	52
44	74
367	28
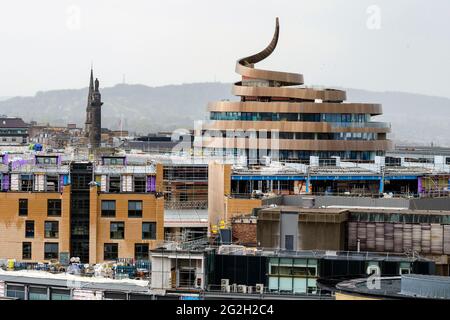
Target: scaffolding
185	186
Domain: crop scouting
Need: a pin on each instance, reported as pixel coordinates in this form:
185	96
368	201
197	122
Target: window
289	242
23	207
52	183
60	294
37	293
149	230
29	229
51	250
113	295
141	251
139	184
117	230
13	291
114	184
111	251
26	250
54	207
135	209
108	208
26	182
51	229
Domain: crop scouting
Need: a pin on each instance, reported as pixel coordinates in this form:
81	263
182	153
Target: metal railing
252	292
182	205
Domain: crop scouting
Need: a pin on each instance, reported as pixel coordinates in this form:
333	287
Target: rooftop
405	287
73	281
12	123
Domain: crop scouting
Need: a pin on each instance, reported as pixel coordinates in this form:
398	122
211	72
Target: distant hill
415	118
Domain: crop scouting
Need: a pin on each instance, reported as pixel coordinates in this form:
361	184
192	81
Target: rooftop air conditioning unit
249	289
259	288
242	288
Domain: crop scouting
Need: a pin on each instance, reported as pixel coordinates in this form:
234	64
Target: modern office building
279	117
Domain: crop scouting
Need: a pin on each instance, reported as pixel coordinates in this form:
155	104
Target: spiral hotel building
278	116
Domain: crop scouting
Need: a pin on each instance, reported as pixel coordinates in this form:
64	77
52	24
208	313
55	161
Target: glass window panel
300	262
60	294
273	283
37	293
300	271
312	262
284	261
285	284
15	292
312	285
299	285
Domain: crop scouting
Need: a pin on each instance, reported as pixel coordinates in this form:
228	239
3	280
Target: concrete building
293	228
424	233
174	270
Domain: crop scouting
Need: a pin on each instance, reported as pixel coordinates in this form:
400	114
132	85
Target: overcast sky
395	45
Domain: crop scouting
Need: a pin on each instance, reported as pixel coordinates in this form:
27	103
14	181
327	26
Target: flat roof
407	286
64	280
185	218
343	209
306	210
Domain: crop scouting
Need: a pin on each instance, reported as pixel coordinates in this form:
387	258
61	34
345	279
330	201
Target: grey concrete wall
321	236
321	201
430	204
278	200
289	227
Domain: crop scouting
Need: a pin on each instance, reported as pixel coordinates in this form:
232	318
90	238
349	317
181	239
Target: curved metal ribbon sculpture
281	80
